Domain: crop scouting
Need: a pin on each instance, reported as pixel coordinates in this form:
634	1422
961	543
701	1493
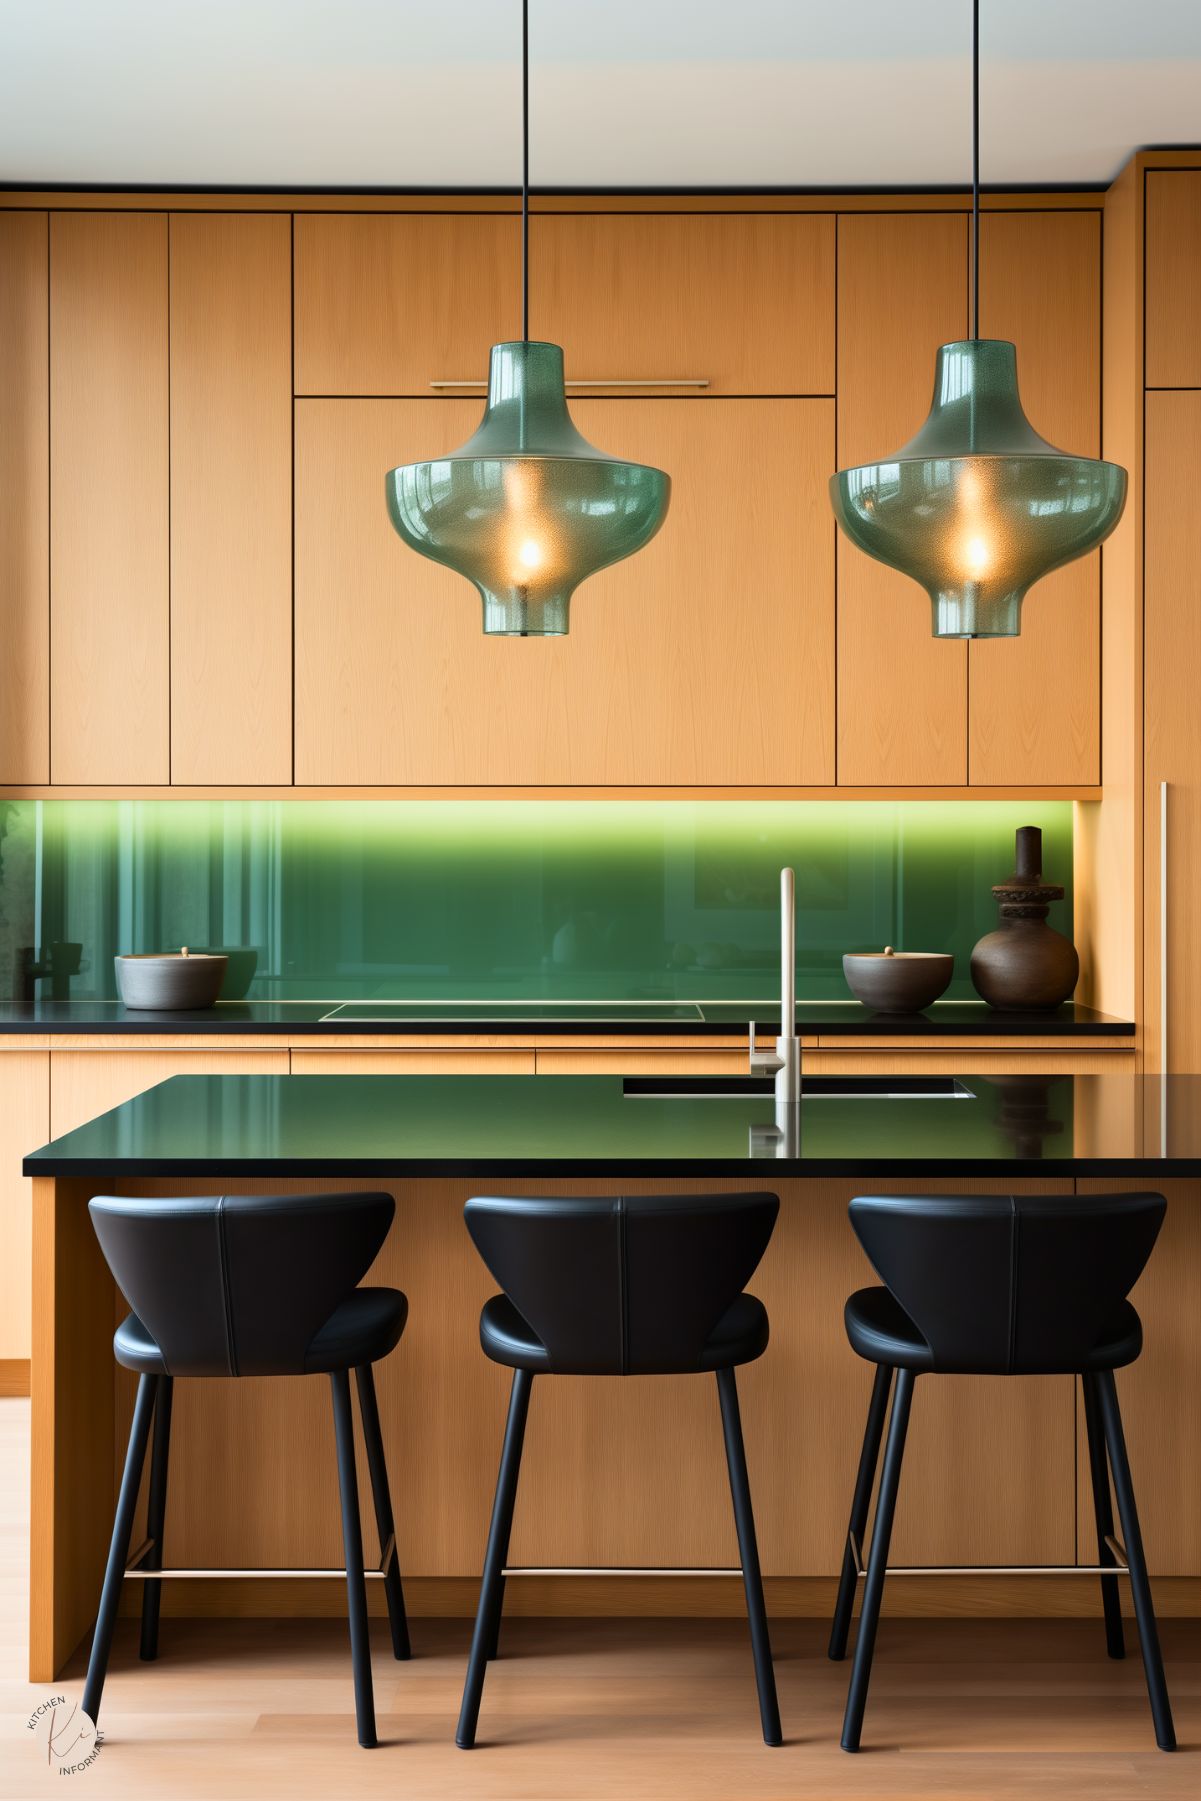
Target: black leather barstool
1000	1285
641	1286
251	1285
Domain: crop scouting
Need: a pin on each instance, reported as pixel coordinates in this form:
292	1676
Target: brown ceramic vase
1025	965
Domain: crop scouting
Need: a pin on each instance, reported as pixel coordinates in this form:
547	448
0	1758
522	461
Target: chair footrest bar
135	1569
199	1575
610	1570
1119	1567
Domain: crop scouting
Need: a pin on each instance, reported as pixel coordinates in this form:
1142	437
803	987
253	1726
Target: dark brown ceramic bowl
898	981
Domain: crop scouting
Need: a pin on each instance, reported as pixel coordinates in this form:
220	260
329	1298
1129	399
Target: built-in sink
813	1088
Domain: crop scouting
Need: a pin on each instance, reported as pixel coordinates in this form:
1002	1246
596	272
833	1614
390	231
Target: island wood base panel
617	1472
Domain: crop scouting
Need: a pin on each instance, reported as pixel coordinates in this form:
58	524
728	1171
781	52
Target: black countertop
215	1127
685	1019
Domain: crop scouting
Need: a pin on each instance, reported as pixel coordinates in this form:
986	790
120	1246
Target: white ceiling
625	93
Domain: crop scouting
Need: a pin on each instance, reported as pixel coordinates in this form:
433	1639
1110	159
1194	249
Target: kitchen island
988	1486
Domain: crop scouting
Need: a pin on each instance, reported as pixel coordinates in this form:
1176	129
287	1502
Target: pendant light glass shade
977	507
527	509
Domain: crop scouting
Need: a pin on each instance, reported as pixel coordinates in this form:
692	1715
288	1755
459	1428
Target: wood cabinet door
1172	682
24	500
109	558
902	694
1034	713
393	303
1173	224
706	660
743	303
231	498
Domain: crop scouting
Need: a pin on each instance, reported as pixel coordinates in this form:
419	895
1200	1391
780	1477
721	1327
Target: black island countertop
603	1126
541	1018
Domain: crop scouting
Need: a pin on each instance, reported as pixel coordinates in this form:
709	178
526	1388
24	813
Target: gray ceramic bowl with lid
898	981
165	980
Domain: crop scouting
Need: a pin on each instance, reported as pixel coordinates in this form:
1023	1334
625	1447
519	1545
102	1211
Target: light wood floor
585	1710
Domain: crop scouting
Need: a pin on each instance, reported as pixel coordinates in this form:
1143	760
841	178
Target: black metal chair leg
748	1551
1111	1600
352	1539
118	1552
487	1619
156	1512
494	1647
380	1494
869	1457
877	1562
1144	1611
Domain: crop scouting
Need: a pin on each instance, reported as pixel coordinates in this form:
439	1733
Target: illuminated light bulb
530	555
977	556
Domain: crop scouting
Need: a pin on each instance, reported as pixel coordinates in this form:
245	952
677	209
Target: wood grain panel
902	695
1108	924
745	303
708	658
412	1063
24	1125
25	498
231	498
84	1084
1172	649
72	1459
1034	712
387	306
635	1062
968	1063
109	501
1173	240
1158	1393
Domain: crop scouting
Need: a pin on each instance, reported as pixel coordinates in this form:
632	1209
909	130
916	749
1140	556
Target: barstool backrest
1011	1284
625	1286
238	1284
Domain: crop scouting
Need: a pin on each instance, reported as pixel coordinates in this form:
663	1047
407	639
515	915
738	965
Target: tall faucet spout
787	954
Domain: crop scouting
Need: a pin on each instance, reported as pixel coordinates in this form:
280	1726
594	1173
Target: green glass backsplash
502	899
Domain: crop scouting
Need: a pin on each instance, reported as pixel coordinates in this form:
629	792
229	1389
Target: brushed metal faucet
785	1061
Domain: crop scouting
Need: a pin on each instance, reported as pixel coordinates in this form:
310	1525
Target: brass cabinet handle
664	381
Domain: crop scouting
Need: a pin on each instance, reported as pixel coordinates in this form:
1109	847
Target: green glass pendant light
527	508
977	507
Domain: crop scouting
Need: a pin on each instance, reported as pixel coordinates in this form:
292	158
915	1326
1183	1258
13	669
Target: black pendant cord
975	168
525	171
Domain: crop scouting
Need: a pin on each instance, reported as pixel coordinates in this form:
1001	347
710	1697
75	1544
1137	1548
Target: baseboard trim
798	1597
14	1377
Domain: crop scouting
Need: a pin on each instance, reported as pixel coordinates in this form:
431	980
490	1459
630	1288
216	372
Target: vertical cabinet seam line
231	1354
1014	1231
623	1287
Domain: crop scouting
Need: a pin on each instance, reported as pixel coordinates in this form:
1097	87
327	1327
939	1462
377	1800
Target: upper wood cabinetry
231	498
158	633
1173	226
707	659
902	695
744	303
24	500
1172	681
394	303
109	498
1034	712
